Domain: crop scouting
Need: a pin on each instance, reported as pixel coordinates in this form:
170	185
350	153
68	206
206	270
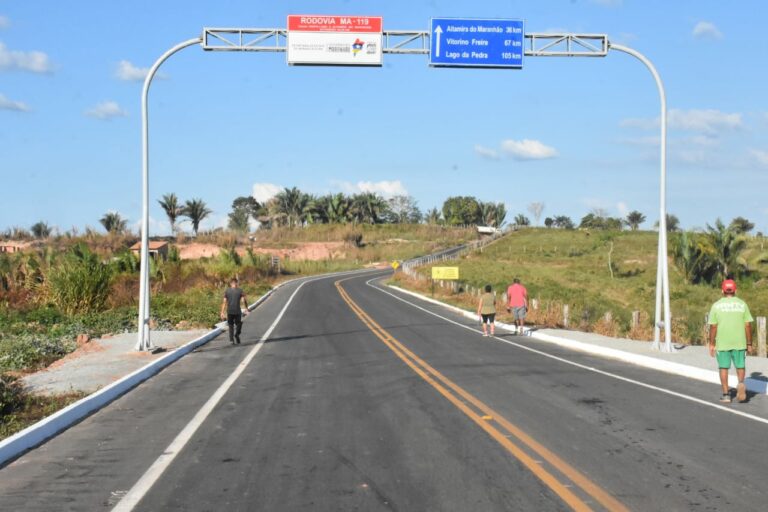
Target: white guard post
411	42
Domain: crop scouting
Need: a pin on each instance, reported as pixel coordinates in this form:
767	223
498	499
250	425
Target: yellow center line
461	398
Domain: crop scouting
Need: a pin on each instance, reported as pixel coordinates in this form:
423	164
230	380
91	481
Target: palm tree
432	216
691	257
294	205
522	220
40	230
368	207
333	208
170	205
634	219
196	210
673	223
726	246
113	222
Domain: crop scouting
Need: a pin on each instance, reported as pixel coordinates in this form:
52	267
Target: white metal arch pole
662	268
144	342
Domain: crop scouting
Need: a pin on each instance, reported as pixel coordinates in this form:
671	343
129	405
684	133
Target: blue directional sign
469	42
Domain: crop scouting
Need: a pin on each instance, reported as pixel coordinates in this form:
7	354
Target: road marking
454	394
156	470
583	366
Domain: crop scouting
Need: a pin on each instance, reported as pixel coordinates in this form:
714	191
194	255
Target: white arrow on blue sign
471	42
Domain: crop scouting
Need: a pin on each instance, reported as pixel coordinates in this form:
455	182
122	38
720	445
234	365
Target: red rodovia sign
321	23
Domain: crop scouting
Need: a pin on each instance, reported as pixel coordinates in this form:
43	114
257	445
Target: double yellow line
498	427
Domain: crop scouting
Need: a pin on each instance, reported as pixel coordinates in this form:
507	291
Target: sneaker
725	398
741	392
485	334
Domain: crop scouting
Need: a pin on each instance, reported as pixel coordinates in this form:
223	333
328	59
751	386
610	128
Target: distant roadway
361	398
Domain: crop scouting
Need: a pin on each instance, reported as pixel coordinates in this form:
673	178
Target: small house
157	249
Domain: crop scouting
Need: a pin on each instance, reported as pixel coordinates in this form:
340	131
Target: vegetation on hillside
595	272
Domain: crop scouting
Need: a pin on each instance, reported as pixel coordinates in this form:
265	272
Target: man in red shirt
517	302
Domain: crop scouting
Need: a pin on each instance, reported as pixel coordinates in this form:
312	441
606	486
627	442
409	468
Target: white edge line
156	470
47	428
562	342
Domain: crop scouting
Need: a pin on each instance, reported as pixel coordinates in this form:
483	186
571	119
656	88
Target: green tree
293	207
521	220
598	220
41	230
634	219
563	222
462	210
549	221
404	210
692	258
113	223
368	207
673	223
726	247
173	210
196	211
333	209
739	225
433	216
243	209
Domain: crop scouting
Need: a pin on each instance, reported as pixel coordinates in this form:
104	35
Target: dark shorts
489	318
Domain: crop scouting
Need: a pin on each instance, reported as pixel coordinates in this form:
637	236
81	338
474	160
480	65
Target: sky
573	133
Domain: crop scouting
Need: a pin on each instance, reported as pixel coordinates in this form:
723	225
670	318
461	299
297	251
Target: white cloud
33	61
706	30
527	149
4	22
384	188
485	152
707	121
263	192
621	206
106	110
128	72
8	104
760	155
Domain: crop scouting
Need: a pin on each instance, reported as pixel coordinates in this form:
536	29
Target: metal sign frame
408	42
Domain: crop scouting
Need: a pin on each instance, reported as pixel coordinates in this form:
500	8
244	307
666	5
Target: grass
571	267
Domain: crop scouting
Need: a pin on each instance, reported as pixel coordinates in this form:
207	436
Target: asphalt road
360	400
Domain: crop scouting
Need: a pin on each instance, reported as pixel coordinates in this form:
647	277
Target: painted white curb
47	428
682	370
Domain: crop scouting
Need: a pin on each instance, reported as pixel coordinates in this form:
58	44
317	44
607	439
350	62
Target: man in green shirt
730	338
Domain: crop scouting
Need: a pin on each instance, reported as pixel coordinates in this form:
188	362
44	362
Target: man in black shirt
231	304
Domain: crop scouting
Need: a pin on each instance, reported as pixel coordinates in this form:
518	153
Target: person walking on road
486	310
231	306
730	338
517	303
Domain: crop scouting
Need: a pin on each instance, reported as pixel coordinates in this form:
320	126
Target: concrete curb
47	428
683	370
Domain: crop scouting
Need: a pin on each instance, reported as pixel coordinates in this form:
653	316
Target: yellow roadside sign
395	264
445	272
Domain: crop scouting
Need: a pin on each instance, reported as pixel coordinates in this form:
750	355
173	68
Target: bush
80	284
11	395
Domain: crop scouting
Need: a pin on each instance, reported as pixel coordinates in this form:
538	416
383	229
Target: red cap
729	286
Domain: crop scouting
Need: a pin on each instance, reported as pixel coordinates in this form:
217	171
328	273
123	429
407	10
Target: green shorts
724	358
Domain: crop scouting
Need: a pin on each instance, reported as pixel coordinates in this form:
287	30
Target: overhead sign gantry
361	41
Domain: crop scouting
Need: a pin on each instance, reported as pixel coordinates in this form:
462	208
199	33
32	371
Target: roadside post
761	348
